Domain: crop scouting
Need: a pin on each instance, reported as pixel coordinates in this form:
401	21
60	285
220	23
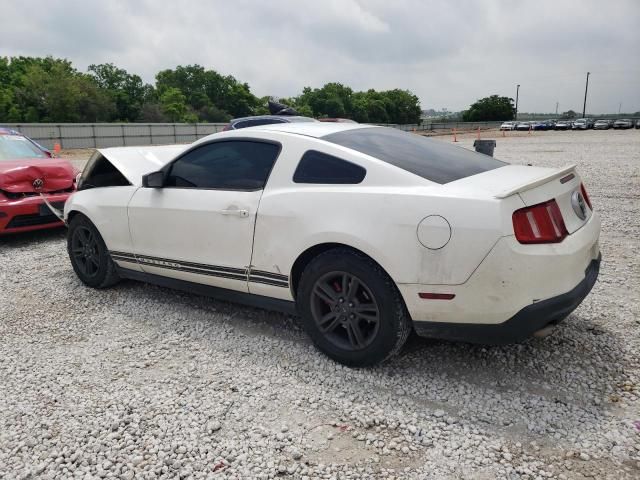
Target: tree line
47	89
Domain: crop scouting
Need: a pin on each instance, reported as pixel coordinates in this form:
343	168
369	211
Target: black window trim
167	168
314	150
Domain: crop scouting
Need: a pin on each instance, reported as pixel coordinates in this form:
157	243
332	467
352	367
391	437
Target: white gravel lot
143	382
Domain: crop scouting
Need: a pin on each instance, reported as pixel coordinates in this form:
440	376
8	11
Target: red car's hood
18	176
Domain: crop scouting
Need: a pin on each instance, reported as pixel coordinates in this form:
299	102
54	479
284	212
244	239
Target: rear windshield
13	147
432	159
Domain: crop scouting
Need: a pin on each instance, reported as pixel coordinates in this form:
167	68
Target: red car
26	170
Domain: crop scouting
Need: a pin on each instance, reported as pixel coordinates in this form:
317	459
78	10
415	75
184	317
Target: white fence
99	135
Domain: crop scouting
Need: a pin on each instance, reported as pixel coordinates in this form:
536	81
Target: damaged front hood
36	175
134	162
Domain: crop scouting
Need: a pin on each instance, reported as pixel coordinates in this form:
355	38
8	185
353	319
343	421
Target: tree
127	91
152	112
337	100
207	88
47	89
173	103
493	108
569	114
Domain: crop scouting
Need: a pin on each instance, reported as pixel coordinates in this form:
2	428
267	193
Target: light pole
586	87
517	93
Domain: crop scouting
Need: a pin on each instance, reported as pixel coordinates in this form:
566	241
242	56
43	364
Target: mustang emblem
38	183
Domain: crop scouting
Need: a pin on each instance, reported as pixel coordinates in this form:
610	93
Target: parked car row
578	124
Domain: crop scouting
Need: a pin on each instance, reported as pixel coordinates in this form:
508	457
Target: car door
199	226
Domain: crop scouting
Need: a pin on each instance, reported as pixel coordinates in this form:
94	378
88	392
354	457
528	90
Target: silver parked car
563	125
623	123
602	125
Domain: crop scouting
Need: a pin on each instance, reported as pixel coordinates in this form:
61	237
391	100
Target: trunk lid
533	185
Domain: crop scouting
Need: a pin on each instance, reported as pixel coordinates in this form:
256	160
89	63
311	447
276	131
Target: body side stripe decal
242	274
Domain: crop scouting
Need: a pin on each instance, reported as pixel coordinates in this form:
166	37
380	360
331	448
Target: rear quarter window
318	167
432	159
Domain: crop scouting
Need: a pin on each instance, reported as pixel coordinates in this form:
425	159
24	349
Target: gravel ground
143	382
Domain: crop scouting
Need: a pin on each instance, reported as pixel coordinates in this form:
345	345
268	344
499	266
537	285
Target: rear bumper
523	324
24	215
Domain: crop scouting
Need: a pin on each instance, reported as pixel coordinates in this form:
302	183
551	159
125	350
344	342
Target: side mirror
153	180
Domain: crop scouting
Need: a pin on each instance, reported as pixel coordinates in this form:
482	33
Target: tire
351	308
89	255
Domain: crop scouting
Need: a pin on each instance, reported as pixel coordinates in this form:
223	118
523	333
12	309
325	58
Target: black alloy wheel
351	308
89	255
345	310
85	251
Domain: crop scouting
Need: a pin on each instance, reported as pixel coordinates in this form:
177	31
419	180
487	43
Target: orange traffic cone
56	149
455	138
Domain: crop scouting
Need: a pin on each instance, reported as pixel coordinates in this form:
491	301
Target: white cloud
448	53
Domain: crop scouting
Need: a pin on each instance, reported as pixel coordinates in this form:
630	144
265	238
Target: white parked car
366	232
508	126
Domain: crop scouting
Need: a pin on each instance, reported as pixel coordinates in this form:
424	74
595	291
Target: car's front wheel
89	255
352	309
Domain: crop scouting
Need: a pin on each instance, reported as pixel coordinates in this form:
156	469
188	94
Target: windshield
426	157
15	147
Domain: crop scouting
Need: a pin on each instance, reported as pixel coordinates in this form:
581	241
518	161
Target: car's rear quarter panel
379	220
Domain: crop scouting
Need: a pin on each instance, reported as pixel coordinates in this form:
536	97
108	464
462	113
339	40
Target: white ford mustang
366	232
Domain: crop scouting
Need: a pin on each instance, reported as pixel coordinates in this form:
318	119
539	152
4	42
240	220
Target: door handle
235	211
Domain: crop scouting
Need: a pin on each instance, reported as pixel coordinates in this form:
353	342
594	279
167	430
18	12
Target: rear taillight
540	223
586	197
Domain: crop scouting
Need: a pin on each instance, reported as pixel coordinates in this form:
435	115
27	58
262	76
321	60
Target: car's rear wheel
89	255
352	309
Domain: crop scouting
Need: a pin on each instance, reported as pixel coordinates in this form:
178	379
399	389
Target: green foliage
126	91
173	103
493	108
47	89
336	100
569	114
212	95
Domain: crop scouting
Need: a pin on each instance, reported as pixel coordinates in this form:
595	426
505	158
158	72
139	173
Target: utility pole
586	88
619	108
517	92
557	103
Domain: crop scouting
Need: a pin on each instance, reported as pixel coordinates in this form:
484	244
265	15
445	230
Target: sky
449	53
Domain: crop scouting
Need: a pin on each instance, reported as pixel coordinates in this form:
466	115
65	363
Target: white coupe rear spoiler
535	183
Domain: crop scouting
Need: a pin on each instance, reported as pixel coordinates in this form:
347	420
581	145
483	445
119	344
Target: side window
232	165
317	167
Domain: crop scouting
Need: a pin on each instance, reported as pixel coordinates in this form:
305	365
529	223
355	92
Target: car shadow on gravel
580	363
33	238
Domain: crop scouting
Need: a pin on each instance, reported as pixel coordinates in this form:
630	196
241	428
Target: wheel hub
345	310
